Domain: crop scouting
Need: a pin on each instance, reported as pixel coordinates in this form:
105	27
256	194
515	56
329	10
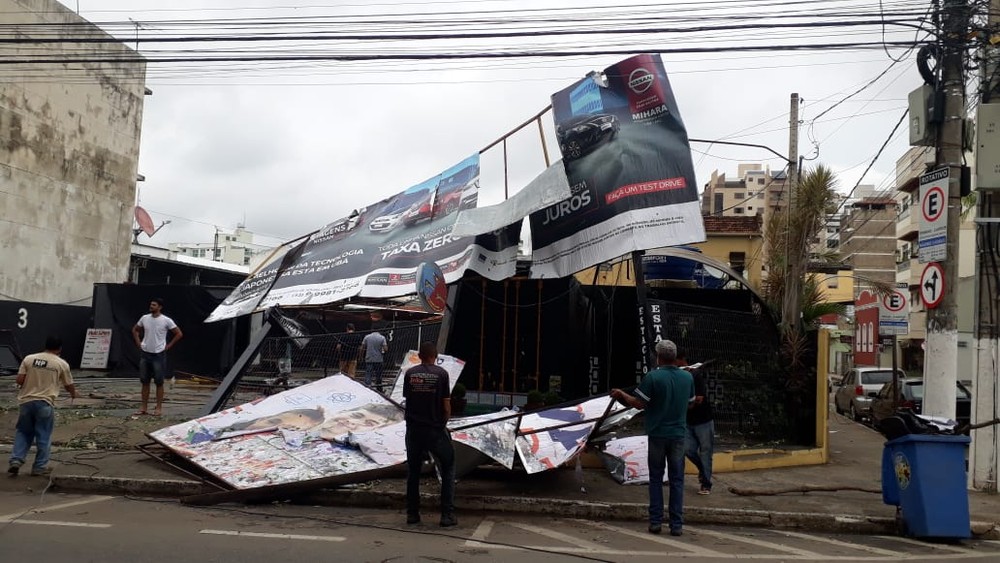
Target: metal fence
285	362
752	400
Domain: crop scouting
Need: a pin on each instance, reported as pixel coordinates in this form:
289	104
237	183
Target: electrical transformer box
988	147
922	130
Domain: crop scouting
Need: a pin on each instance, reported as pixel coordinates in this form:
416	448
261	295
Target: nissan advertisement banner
375	251
629	167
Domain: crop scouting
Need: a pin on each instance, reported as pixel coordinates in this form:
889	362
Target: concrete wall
69	149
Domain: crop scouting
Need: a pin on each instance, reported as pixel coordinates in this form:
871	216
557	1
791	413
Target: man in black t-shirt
428	407
701	431
348	348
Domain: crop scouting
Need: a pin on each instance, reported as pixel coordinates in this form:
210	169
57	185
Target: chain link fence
752	401
283	362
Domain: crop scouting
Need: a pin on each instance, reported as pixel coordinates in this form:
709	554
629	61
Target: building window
760	181
738	210
738	195
738	261
760	195
720	203
832	243
832	283
749	208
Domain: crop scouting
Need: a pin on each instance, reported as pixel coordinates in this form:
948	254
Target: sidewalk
855	455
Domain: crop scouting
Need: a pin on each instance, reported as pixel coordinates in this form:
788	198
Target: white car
386	223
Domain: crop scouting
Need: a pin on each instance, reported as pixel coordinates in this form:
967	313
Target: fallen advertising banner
628	460
376	251
337	431
629	167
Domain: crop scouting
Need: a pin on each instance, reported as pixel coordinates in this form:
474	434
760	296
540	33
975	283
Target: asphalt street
58	527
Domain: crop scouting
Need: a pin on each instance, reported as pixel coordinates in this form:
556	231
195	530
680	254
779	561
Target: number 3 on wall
22	318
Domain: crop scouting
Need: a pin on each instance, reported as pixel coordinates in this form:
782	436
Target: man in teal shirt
665	393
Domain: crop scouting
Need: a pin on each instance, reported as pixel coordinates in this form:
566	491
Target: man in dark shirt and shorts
428	407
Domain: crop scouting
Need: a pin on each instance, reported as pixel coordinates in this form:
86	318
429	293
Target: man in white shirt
150	335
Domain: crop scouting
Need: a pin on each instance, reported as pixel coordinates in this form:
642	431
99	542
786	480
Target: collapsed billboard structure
337	427
625	184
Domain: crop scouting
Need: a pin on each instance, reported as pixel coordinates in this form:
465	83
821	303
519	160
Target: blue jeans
666	454
34	424
700	445
436	441
152	367
373	374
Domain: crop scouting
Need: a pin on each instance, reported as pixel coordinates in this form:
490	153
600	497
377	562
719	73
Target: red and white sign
866	329
894	311
932	285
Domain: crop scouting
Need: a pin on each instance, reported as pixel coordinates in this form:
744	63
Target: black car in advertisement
582	134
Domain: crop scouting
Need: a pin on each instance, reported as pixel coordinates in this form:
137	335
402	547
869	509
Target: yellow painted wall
843	293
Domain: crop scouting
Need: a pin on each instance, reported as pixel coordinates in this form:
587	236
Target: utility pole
795	254
984	465
941	352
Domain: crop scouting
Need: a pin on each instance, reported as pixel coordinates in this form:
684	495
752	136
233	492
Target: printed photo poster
494	438
451	364
627	460
295	435
385	446
541	450
629	167
376	250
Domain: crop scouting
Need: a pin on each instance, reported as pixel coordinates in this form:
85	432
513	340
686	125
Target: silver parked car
854	393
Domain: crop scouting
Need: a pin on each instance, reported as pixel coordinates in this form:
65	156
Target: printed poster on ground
629	167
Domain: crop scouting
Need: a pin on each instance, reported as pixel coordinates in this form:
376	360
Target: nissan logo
640	80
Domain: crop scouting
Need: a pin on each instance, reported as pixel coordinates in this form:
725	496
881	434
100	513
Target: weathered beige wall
69	149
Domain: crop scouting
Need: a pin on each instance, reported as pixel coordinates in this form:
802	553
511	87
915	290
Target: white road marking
482	532
271	536
924	544
655	539
52	507
559	536
480	536
758	543
55	523
831	541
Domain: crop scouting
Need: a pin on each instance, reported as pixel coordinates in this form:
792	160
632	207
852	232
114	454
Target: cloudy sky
286	147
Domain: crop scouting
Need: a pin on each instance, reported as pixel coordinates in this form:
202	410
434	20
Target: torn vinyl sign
629	167
548	438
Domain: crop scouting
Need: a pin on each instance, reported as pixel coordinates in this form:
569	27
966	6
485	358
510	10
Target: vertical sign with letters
934	216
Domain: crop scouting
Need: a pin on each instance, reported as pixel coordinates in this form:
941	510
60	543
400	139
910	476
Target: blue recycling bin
924	475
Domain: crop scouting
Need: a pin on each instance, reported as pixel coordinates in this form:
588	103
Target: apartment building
236	247
868	240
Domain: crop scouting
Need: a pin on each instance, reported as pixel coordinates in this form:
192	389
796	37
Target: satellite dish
145	221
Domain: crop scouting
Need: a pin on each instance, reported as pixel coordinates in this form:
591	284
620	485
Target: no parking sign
894	311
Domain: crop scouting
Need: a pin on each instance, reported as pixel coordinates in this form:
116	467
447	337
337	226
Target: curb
394	500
